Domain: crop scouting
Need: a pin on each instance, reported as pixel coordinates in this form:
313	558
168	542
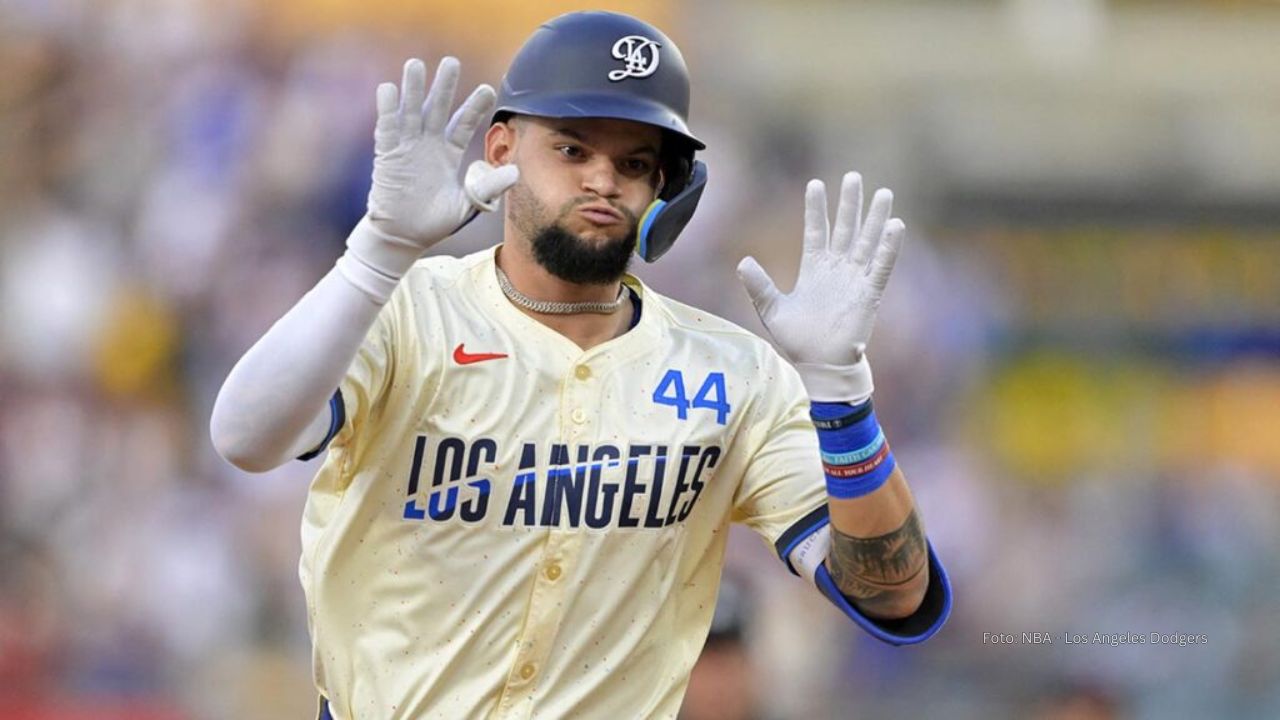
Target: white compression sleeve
274	403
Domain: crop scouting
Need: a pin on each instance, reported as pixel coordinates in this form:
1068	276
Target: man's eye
570	151
637	166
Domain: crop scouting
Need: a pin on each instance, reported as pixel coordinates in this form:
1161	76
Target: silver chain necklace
547	307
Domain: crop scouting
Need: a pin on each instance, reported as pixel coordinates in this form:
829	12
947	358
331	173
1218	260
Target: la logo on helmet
640	55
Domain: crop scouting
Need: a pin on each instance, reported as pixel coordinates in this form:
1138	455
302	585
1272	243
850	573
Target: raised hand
417	197
823	325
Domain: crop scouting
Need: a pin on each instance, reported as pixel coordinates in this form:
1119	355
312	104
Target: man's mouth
601	214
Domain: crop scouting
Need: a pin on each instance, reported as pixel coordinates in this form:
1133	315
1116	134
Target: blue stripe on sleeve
812	522
337	418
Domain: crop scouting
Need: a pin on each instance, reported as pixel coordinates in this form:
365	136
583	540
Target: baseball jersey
508	526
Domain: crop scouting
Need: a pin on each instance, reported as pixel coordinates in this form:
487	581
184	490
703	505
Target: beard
572	259
567	255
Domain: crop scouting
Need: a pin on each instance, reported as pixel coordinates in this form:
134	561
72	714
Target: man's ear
500	143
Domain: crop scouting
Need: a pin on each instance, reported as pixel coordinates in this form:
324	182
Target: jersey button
582	372
579	415
553	572
527	671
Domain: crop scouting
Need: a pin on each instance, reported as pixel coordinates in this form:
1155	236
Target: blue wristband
856	458
856	487
853	457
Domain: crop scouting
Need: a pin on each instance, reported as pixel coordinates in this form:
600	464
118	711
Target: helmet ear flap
675	175
676	166
668	215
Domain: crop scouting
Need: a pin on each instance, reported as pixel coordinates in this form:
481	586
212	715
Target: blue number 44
712	395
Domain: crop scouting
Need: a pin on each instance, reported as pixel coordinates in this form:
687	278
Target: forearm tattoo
867	569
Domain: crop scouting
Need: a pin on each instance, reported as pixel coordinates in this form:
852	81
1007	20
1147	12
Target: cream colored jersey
507	526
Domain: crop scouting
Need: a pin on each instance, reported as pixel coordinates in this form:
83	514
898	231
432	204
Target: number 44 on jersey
711	395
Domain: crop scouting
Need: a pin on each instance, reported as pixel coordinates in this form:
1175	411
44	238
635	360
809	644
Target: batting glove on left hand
823	325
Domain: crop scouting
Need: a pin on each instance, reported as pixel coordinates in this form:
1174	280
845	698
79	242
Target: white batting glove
824	324
417	199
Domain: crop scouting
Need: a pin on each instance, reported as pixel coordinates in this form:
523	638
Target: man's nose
601	177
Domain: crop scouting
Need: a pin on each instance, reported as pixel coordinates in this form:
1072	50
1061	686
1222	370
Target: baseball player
533	458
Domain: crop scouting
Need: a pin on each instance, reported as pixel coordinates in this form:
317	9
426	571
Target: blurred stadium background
1078	358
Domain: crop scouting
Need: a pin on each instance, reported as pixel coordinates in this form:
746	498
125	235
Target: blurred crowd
174	175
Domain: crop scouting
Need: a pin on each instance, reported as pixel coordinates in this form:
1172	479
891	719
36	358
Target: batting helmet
607	65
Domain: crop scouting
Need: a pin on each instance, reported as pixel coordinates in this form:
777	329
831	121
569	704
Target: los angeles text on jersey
594	486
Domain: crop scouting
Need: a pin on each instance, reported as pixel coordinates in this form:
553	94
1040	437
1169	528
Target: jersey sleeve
365	386
782	495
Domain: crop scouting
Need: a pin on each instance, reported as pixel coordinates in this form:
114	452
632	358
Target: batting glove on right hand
416	199
823	325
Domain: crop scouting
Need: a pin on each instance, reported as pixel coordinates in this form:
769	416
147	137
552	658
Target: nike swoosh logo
462	357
